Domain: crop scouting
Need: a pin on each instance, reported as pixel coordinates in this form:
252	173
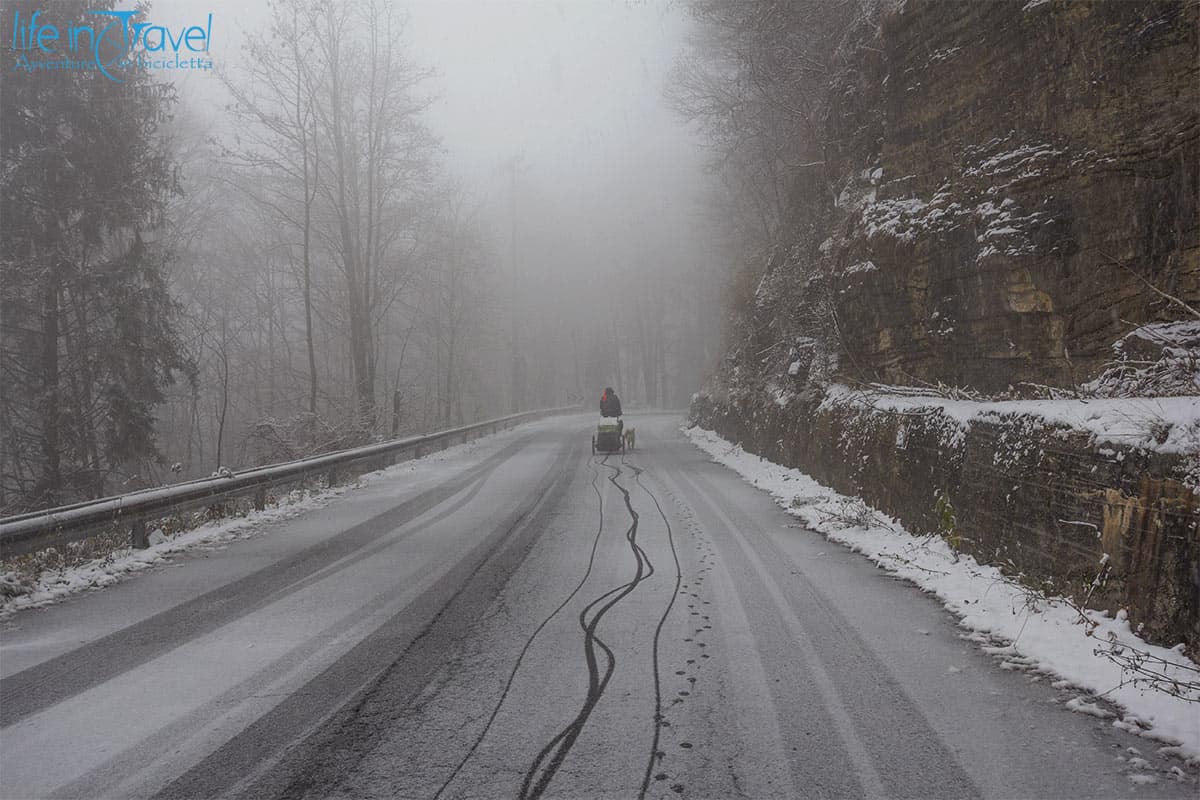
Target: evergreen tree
88	343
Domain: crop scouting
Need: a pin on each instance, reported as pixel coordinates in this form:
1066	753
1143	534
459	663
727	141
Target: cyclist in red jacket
610	404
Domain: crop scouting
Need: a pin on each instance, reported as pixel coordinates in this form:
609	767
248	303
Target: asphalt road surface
526	620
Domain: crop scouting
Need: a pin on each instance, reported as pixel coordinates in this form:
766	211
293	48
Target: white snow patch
1000	227
1084	707
1048	634
1004	230
860	267
906	218
55	585
1159	424
1023	159
1160	358
944	54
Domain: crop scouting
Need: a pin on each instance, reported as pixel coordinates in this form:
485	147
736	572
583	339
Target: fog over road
524	619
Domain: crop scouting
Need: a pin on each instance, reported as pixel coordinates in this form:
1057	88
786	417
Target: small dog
631	438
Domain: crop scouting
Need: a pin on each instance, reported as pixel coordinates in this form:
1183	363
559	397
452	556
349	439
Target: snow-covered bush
1161	359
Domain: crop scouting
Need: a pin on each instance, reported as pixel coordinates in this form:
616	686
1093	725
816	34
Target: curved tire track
529	642
548	761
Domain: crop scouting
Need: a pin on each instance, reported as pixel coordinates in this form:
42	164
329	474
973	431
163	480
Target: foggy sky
574	88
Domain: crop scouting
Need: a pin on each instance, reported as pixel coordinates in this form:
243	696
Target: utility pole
518	376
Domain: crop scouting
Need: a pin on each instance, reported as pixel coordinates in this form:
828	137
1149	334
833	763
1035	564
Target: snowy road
525	620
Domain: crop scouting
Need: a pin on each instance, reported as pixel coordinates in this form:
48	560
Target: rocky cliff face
1011	201
1014	180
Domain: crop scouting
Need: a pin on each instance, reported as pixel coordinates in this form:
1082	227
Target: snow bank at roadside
1036	632
55	585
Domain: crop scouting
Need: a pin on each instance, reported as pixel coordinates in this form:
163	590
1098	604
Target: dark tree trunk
51	403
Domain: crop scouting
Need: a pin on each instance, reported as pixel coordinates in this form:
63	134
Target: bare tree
453	300
378	162
278	152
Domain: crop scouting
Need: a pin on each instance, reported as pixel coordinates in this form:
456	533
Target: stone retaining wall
1038	500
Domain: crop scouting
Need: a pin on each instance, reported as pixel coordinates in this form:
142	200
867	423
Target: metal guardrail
27	533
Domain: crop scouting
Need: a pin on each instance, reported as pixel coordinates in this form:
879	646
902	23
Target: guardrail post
331	478
138	534
260	498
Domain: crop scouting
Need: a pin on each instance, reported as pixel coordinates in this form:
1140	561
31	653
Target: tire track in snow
880	705
134	758
548	761
29	691
658	713
864	766
304	746
529	642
